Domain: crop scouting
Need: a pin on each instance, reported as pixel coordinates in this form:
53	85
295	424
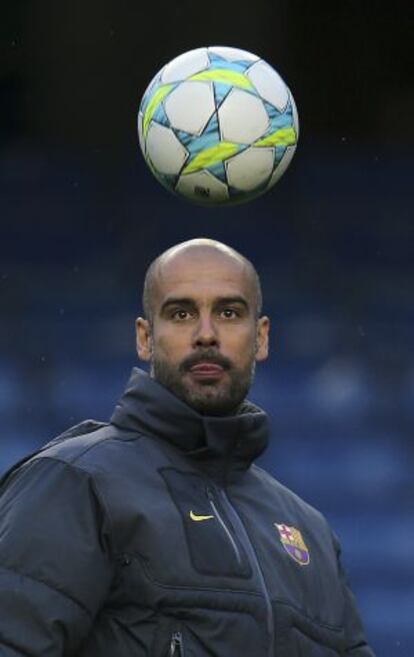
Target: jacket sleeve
55	569
356	644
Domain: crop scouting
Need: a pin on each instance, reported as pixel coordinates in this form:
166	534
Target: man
155	535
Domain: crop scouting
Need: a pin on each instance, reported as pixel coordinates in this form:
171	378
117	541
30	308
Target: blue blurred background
81	218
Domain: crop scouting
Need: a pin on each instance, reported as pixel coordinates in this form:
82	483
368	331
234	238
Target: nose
205	334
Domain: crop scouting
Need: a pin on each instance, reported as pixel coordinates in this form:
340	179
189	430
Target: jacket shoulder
73	445
288	499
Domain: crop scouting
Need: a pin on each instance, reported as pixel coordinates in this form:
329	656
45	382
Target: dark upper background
81	218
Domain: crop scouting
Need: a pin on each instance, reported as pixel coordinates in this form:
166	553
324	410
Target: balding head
196	249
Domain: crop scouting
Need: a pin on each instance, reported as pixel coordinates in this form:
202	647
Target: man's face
205	337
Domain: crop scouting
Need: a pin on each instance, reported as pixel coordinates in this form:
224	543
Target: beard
207	398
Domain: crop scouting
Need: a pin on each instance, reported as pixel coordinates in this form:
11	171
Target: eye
229	313
180	314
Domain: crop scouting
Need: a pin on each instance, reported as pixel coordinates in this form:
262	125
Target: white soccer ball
218	125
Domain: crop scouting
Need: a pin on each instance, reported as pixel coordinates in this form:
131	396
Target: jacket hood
148	408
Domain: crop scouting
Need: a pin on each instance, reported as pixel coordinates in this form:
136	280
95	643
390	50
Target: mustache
205	356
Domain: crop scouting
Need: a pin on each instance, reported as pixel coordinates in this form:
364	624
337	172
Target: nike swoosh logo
198	518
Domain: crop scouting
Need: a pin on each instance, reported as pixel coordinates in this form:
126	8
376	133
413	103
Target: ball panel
269	84
197	143
250	169
185	65
242	117
211	156
140	131
233	54
294	115
282	166
227	76
202	187
155	82
280	137
205	151
190	106
221	90
159	115
153	104
166	153
282	130
218	170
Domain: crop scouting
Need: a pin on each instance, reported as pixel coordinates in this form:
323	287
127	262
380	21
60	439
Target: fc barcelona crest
292	541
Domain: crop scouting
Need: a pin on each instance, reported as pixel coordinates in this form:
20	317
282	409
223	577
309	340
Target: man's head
203	331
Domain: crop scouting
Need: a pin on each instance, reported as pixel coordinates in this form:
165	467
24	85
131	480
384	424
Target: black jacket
155	536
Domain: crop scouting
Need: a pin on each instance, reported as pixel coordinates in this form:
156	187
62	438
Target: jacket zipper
223	525
243	536
176	645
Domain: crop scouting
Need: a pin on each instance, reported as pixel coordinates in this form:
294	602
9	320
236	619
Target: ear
262	338
143	339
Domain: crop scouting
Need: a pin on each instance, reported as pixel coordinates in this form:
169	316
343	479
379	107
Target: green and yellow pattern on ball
209	151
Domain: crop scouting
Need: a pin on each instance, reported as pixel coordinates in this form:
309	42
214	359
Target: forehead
202	274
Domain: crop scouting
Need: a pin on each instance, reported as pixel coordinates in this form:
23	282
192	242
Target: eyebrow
188	301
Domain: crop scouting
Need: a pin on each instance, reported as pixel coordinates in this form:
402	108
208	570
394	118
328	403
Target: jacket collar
147	407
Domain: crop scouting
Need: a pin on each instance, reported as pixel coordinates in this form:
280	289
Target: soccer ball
218	125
